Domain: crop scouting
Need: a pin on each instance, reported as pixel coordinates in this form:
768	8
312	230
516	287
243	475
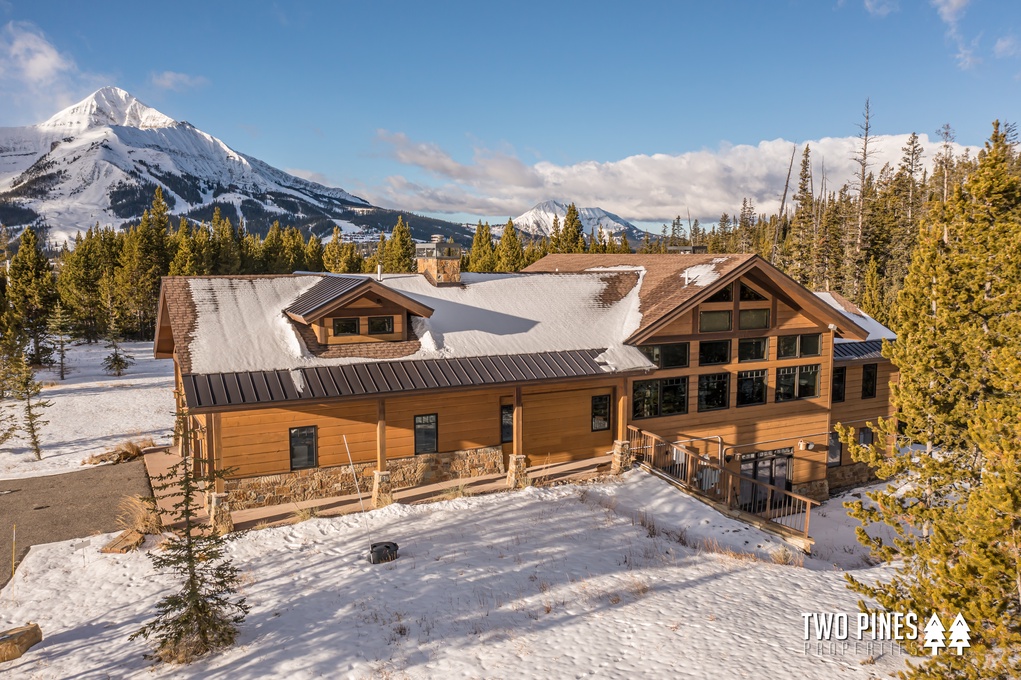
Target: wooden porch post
519	444
381	435
622	410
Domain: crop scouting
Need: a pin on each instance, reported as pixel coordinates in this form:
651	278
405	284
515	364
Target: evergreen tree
251	254
116	362
294	251
204	615
31	294
371	263
144	260
957	401
273	257
314	254
226	245
400	251
509	255
624	246
482	257
572	238
59	329
555	239
872	298
184	262
798	247
25	388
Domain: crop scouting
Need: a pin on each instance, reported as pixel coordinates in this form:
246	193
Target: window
667	356
865	436
722	295
793	346
868	381
600	412
713	391
666	397
749	319
750	295
303	447
835	452
381	325
709	322
426	439
506	424
752	349
713	352
839	381
797	382
345	326
751	387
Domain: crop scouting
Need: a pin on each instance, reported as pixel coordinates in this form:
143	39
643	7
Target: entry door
770	467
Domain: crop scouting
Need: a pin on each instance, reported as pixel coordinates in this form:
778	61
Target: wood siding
558	425
854	410
361	309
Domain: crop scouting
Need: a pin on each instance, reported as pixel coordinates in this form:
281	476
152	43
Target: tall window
345	326
713	391
749	319
303	447
839	382
713	352
674	355
426	439
752	349
506	424
797	382
709	322
865	436
868	380
600	412
794	346
381	325
751	387
835	452
666	397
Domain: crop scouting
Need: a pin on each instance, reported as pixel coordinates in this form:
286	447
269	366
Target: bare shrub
127	450
711	545
637	586
788	557
139	513
304	514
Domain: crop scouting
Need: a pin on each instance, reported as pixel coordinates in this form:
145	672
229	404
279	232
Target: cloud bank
178	82
646	188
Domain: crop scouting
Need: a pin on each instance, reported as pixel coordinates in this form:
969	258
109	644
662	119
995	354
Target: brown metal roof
849	351
329	288
366	379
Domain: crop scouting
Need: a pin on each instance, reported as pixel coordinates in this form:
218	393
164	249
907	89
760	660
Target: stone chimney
440	263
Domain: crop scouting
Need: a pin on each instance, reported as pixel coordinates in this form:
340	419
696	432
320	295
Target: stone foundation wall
303	485
817	490
849	476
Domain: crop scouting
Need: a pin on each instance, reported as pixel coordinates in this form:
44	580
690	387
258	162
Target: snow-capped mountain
539	221
101	159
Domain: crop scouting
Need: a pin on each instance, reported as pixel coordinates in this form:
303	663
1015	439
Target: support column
622	410
382	490
381	435
622	458
517	472
518	443
219	514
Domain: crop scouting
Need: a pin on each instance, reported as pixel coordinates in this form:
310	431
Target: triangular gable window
750	295
722	295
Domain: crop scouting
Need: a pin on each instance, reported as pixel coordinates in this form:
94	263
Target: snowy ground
93	411
538	583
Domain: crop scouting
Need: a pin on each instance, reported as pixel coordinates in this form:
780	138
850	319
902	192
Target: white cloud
950	12
648	188
880	8
311	176
36	78
1006	47
171	80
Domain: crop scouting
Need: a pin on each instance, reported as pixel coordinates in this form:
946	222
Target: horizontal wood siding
558	426
464	421
854	410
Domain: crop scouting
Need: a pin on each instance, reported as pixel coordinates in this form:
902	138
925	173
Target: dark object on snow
382	552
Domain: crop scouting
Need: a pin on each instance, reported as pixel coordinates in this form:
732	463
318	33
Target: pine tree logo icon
960	634
934	637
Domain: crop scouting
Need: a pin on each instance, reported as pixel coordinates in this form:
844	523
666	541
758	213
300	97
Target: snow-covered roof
876	330
240	326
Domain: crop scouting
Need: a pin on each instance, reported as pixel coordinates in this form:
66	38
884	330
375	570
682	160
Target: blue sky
469	109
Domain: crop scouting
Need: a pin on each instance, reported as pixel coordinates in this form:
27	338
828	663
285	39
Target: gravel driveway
62	507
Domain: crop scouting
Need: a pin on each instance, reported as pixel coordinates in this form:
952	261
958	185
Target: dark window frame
747	375
866	437
714	342
390	325
725	294
740	316
291	432
660	384
504	437
436	432
609	412
752	295
765	349
726	392
783	371
730	320
834	451
357	323
839	378
869	387
799	353
657	353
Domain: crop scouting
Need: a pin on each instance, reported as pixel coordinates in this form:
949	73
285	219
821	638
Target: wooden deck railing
702	476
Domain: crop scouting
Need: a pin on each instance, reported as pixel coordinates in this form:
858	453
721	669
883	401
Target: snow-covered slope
100	160
539	221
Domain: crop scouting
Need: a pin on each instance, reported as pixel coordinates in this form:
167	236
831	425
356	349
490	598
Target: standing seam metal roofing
324	382
868	349
329	288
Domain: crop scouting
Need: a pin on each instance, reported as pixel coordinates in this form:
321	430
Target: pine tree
25	388
184	262
144	260
31	294
59	329
482	257
400	251
959	353
555	237
572	238
273	256
624	246
509	255
226	246
872	298
333	253
314	254
204	615
116	362
294	251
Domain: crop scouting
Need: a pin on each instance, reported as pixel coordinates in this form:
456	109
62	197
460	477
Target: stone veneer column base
849	476
219	514
517	472
382	490
622	458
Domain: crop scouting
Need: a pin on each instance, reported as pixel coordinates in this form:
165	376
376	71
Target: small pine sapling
116	362
26	388
204	615
59	329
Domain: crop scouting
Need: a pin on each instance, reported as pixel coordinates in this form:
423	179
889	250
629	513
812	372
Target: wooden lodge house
439	375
